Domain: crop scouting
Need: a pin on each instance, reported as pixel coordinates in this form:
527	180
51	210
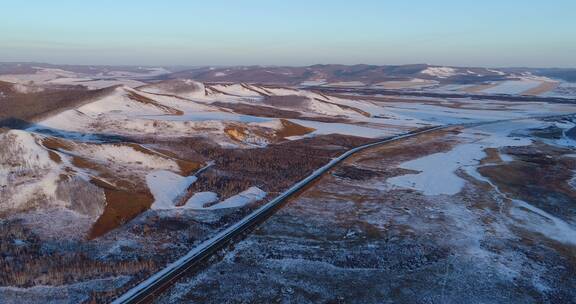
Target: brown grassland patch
121	207
292	129
544	87
479	88
492	156
235	132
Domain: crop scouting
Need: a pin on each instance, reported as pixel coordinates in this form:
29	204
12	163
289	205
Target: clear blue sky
290	32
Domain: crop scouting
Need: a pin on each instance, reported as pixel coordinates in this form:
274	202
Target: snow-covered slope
185	108
29	173
44	174
181	87
440	72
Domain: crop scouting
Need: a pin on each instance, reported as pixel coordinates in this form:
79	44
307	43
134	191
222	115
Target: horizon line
280	65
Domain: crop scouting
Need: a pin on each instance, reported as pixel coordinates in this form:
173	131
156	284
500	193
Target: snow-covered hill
117	143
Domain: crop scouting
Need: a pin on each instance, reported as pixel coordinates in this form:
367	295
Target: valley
109	174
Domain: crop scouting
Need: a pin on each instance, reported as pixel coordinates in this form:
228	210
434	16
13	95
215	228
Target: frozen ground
110	187
513	87
565	89
407	84
73	293
437	172
357	237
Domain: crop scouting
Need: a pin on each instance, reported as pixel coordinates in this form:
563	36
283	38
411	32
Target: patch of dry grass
544	87
479	88
121	207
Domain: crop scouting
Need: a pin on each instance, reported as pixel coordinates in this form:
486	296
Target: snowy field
447	231
121	176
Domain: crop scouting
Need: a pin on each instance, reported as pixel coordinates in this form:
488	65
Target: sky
493	33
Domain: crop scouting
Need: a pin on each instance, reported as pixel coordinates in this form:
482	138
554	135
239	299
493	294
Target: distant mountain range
360	74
